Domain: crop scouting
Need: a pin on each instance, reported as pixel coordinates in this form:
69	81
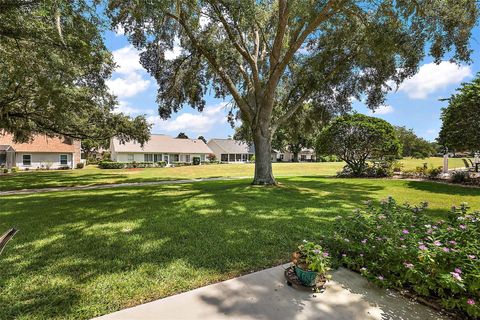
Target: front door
166	158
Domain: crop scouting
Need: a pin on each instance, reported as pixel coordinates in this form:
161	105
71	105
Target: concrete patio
265	295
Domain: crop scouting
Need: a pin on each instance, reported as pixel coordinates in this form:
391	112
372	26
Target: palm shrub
398	246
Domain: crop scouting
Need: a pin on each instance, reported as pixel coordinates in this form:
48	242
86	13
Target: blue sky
414	105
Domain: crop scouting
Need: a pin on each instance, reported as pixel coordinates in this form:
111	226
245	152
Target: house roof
233	146
40	143
160	143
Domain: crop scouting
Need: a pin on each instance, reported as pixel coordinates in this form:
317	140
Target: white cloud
129	85
432	77
127	59
124	107
175	52
130	75
198	123
119	31
385	109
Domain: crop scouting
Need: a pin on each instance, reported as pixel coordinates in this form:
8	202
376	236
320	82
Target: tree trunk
295	157
263	156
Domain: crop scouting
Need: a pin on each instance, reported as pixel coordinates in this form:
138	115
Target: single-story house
159	148
42	152
229	150
305	155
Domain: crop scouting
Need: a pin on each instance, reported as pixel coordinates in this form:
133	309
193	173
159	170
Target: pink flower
325	254
452	242
364	241
471	302
380	278
471	256
361	254
458	270
401	238
405	231
456	276
408	265
437	243
422	247
462	226
446	249
429	231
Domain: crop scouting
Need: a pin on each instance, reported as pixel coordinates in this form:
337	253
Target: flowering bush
311	256
402	247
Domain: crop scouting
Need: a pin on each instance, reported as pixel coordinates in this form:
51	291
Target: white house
305	155
41	152
159	148
229	150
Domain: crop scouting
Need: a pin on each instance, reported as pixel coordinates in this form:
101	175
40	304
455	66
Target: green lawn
86	253
92	175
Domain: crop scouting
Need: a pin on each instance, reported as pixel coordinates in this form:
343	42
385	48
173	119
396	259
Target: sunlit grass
86	253
92	175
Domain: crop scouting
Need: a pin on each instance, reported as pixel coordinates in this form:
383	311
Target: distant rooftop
160	143
233	146
40	143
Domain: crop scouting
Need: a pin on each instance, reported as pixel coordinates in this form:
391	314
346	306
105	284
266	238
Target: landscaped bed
85	253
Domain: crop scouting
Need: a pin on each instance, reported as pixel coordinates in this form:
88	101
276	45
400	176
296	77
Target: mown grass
86	253
93	176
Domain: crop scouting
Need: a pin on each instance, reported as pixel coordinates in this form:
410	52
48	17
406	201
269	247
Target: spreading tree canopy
461	119
53	67
272	56
356	138
413	145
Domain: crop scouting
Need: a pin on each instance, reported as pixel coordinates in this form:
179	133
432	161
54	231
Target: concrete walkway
264	295
114	185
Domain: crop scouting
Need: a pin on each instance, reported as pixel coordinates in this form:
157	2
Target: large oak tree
272	56
53	71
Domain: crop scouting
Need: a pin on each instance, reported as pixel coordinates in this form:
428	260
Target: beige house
231	151
160	148
41	153
306	155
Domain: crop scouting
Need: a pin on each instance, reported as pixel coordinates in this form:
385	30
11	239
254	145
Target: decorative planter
307	278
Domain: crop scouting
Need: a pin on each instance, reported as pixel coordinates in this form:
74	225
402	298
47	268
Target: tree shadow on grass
112	248
443	188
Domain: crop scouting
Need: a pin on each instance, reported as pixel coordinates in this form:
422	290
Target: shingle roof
233	146
40	143
160	143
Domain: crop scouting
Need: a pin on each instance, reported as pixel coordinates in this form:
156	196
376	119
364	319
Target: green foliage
311	256
14	169
271	57
195	161
80	165
111	165
355	138
412	145
399	246
461	119
182	135
53	73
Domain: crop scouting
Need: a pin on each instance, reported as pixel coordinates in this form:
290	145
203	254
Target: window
148	157
27	159
175	157
231	158
63	159
187	158
130	157
303	157
224	157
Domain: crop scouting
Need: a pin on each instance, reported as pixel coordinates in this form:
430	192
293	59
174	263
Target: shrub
376	169
80	165
5	170
211	157
397	166
402	247
433	173
460	177
181	164
196	161
111	165
161	164
14	169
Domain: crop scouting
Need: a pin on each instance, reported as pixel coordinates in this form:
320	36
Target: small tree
356	138
182	135
202	138
211	157
461	119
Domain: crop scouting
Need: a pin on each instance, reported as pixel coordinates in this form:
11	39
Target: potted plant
311	264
